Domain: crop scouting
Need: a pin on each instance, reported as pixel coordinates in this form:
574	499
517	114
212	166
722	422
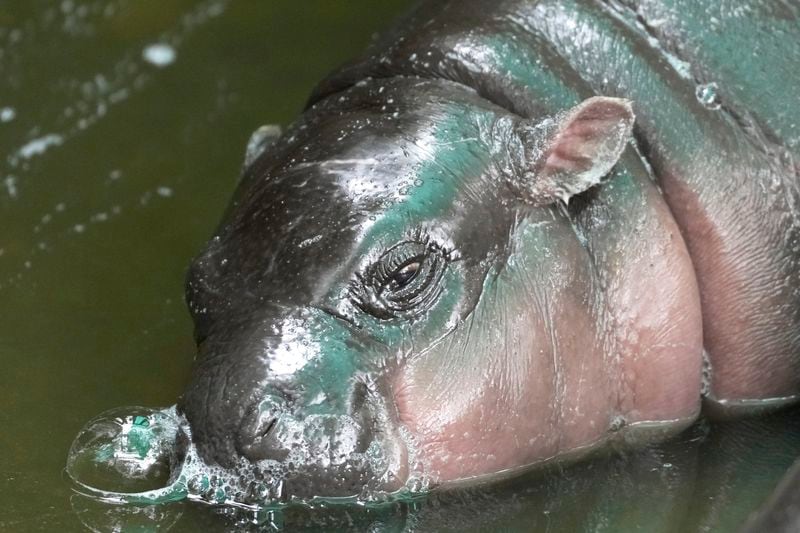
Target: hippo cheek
499	397
463	435
528	375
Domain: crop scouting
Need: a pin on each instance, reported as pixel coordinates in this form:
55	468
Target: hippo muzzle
263	402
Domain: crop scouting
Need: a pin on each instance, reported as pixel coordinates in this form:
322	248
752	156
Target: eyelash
368	288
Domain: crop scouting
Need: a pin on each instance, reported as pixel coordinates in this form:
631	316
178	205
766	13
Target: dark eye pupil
404	275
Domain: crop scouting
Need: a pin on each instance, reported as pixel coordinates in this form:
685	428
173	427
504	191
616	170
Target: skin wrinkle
506	363
580	382
507	376
225	381
557	377
533	294
519	367
605	314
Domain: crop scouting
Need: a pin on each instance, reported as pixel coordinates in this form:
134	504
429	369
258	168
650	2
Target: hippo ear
573	151
260	140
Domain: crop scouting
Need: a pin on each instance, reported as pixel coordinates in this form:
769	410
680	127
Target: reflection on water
707	479
122	128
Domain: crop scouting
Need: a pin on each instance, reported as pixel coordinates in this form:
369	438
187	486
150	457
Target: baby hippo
511	232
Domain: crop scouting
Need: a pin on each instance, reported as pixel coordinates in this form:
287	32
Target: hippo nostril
359	396
257	437
363	413
270	424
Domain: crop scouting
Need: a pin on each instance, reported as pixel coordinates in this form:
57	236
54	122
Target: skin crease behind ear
572	152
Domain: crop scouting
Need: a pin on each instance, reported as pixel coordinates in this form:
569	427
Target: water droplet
159	54
7	114
40	145
708	95
11	186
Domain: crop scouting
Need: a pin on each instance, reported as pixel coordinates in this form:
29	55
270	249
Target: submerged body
423	281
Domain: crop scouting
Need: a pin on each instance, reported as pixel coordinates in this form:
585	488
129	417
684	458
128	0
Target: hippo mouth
144	456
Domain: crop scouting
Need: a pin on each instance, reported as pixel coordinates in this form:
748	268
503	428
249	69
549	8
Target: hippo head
395	294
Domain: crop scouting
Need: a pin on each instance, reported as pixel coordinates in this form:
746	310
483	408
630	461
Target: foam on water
140	456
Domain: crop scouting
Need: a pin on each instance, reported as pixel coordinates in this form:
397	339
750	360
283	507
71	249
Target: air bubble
125	450
708	95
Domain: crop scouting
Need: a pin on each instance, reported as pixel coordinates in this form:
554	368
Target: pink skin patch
749	314
654	304
570	342
549	374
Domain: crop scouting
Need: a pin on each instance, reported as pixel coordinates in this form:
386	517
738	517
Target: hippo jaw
360	246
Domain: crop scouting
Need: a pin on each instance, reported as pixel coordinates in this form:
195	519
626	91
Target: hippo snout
285	397
277	427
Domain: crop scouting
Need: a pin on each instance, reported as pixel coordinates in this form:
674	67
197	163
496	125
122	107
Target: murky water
122	129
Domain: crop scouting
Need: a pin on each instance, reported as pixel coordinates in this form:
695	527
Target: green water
114	172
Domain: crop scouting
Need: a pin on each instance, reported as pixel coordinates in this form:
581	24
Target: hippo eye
406	274
404	281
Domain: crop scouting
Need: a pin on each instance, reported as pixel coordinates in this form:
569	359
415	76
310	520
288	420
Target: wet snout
293	399
278	426
326	452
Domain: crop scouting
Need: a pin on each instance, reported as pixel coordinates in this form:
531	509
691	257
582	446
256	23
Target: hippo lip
318	471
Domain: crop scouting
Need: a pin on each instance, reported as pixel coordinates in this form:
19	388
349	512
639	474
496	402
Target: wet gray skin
339	261
420	283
